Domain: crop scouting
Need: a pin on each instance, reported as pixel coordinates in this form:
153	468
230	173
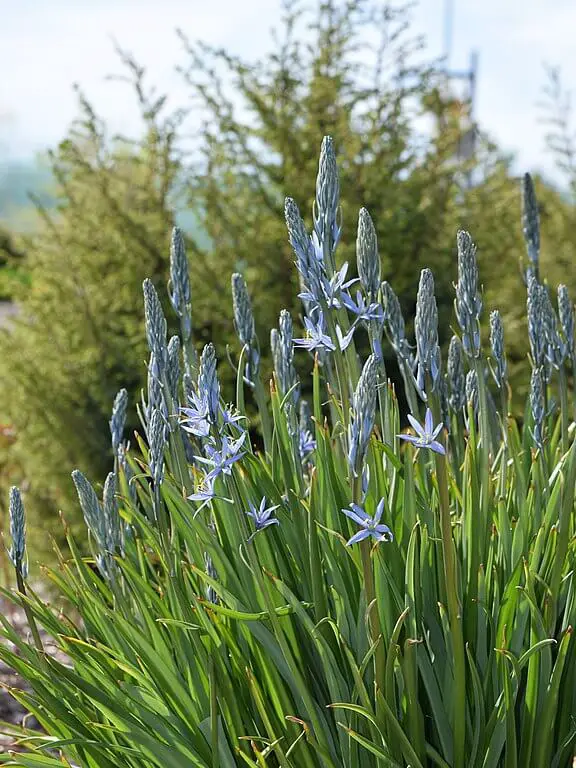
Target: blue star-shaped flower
426	434
230	415
206	493
344	341
316	336
197	420
362	309
261	516
330	289
221	459
306	443
369	526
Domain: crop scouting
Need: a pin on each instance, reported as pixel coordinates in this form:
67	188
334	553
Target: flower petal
344	341
437	447
272	521
437	431
379	509
428	422
360	536
383	533
416	426
410	439
355	517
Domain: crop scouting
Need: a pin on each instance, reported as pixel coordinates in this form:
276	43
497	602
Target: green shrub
333	600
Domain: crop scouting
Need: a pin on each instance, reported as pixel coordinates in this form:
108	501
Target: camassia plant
351	594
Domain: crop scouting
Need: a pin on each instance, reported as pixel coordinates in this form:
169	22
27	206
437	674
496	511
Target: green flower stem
383	408
163	525
240	404
370	591
341	376
563	532
563	387
504	521
484	461
29	615
350	354
190	356
260	398
454	608
409	389
176	446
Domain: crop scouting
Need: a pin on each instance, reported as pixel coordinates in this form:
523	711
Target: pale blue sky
47	45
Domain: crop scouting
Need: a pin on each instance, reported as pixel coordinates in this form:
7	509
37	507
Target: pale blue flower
197	420
331	290
262	516
344	340
205	493
222	459
426	434
336	286
230	415
363	309
369	526
316	337
306	443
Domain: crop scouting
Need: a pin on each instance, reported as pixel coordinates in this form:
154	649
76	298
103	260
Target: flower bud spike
497	346
426	329
17	552
368	260
180	296
363	415
531	222
456	378
327	198
118	420
155	323
468	302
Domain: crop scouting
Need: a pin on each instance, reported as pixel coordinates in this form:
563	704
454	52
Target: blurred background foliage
104	223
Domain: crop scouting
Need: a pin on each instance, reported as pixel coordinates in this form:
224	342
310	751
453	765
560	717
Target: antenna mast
467	100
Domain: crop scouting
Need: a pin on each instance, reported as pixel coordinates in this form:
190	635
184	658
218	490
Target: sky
47	46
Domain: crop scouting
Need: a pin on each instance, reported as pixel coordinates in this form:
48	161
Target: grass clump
351	594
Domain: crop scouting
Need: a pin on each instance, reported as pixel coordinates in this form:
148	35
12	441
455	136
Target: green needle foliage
341	598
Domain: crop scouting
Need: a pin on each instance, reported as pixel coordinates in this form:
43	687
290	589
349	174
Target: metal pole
448	26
